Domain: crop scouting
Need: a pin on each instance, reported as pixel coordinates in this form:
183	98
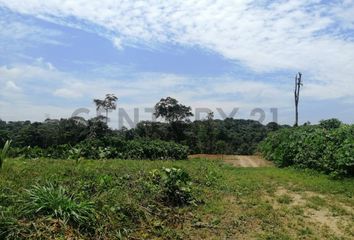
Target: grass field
120	199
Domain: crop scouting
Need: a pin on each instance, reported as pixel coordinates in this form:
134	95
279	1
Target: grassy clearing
125	199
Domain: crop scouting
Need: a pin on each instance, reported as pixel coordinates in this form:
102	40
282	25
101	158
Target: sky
56	56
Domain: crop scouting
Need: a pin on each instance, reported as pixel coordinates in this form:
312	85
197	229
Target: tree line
231	136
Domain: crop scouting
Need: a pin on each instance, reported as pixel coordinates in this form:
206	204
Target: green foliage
96	149
330	123
130	203
109	103
171	110
4	152
323	148
155	150
75	153
56	202
229	136
175	186
8	225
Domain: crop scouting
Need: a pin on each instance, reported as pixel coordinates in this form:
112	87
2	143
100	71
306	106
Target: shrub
175	186
97	149
328	148
154	150
56	202
330	123
28	152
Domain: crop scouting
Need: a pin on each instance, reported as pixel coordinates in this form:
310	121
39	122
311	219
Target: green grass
284	199
57	202
123	199
4	152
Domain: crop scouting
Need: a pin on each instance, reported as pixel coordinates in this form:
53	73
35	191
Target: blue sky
56	56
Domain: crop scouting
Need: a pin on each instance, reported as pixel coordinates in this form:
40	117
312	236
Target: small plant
284	199
56	202
8	225
4	151
175	184
104	152
75	153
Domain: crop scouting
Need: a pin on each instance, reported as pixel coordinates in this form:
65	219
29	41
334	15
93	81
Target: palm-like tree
109	103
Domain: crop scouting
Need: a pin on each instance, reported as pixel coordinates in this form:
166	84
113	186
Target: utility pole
298	84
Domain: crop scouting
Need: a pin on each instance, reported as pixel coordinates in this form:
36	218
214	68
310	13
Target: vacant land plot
120	199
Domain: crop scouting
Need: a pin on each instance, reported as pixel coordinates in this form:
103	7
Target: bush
154	150
328	148
56	202
175	186
97	149
330	123
29	152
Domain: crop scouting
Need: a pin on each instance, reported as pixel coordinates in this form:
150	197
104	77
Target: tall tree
298	84
109	103
171	110
210	130
176	114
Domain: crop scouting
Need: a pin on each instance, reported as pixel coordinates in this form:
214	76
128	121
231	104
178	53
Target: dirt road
237	160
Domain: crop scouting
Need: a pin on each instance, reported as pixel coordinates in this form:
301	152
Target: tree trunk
296	115
297	96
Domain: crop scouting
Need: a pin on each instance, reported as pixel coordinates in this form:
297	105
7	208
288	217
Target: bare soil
320	216
237	160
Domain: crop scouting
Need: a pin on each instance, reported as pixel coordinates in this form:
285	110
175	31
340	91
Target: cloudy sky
57	55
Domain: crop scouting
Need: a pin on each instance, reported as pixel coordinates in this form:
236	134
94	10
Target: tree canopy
108	103
172	111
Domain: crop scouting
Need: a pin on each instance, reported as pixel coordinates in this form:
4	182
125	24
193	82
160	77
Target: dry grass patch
316	210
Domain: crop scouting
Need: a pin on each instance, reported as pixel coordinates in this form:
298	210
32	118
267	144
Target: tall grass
56	202
4	151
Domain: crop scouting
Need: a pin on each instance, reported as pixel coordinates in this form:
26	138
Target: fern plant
4	151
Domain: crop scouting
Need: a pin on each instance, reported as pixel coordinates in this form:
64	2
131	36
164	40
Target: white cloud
23	110
23	72
307	36
41	85
20	31
11	86
117	42
67	93
15	33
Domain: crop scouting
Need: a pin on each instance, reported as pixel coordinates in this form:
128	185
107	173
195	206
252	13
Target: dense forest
233	136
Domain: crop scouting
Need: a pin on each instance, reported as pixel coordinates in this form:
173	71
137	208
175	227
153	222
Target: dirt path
237	160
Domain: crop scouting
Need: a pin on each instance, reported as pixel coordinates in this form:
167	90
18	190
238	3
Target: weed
176	186
8	225
58	203
4	152
284	199
130	200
